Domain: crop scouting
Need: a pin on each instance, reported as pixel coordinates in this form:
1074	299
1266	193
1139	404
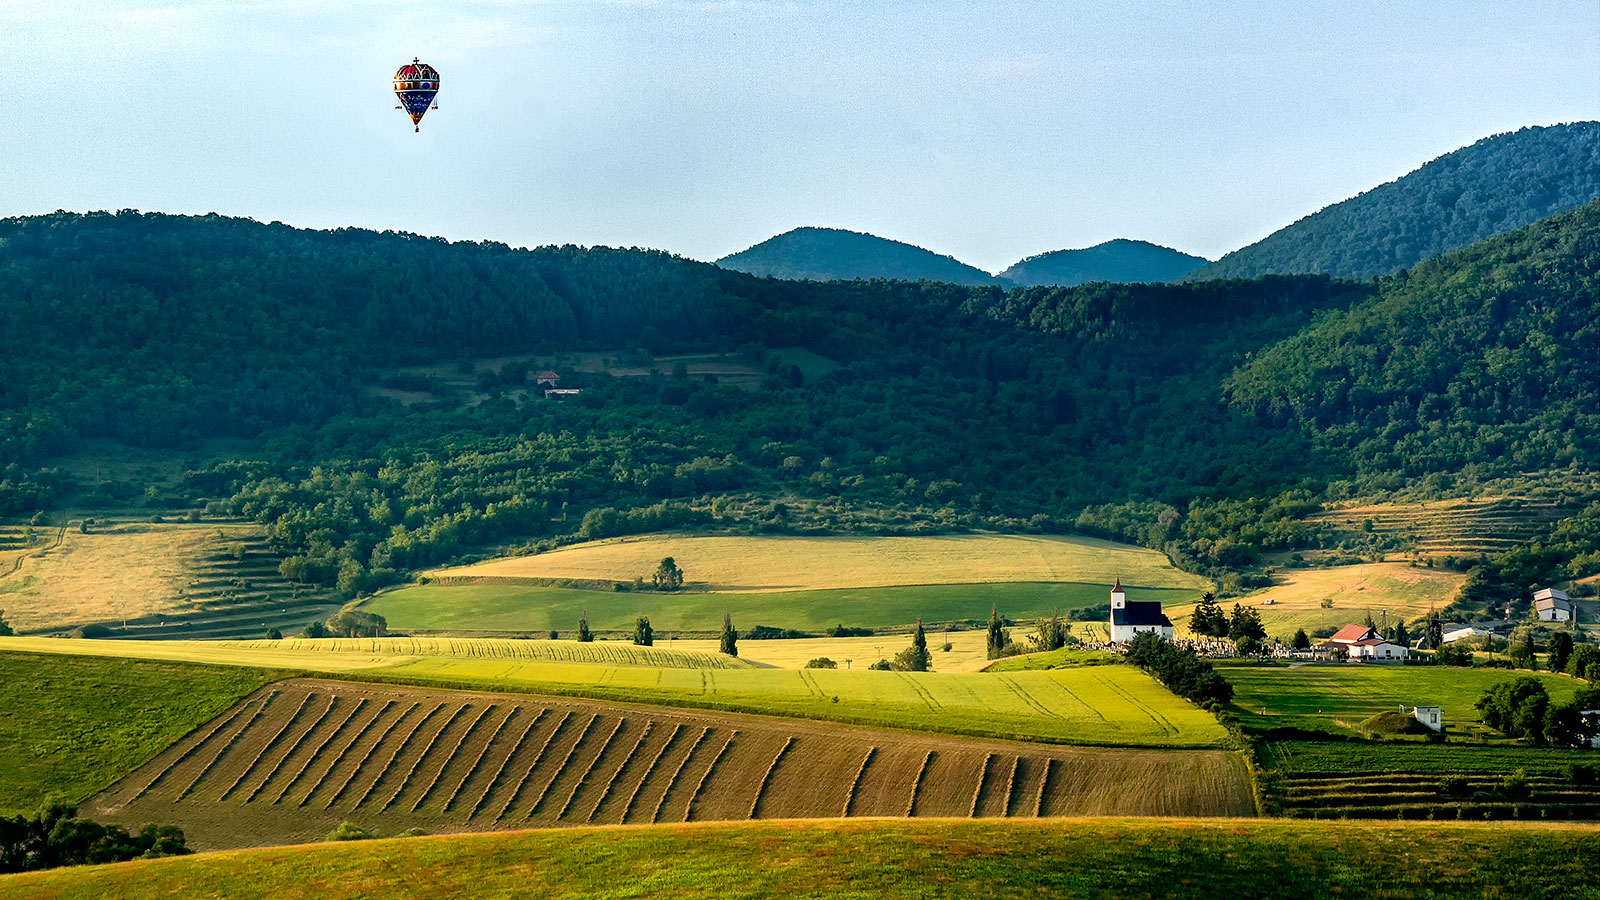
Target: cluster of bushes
1243	627
349	623
1522	709
1184	673
55	836
769	633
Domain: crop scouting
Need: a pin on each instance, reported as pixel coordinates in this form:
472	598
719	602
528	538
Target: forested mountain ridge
1490	353
1496	185
1181	405
1120	260
834	254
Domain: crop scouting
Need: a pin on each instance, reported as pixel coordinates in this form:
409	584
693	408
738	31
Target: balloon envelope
416	84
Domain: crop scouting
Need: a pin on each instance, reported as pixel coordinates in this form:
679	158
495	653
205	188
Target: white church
1129	617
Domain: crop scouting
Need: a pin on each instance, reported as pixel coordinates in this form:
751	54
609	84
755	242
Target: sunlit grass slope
884	860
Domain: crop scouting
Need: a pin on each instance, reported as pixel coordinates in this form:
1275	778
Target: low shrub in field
1454	786
55	836
822	662
350	831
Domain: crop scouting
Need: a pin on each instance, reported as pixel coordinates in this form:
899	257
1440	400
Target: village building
562	392
1458	632
1130	617
1552	605
1360	642
1431	716
547	378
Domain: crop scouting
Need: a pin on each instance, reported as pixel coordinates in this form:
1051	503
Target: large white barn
1130	617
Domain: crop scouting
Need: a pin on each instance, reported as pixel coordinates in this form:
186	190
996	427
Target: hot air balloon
416	84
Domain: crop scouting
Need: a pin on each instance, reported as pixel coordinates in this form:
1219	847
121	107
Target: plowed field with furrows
297	757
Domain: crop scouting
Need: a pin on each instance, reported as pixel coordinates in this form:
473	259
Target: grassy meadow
1403	590
737	564
1338	697
70	726
1102	705
535	609
886	859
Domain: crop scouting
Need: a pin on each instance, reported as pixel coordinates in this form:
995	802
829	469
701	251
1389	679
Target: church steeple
1119	598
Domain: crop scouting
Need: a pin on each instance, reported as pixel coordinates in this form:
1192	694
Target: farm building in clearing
1553	605
1364	643
1130	617
1431	716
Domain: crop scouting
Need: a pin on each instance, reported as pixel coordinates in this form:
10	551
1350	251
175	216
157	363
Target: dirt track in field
296	758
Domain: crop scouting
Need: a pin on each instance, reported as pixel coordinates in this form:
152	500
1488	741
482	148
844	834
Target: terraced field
154	581
299	756
1389	781
1452	527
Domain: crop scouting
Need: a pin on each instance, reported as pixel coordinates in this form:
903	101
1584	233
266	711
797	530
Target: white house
1130	617
1552	605
1465	631
1363	643
1431	716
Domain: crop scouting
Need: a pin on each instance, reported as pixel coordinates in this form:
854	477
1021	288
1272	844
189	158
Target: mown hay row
317	750
226	746
362	763
560	768
395	755
267	747
483	751
855	783
705	776
333	761
1011	785
916	783
183	757
500	770
977	792
300	739
450	757
599	755
655	815
544	748
634	796
426	749
1044	785
755	803
616	776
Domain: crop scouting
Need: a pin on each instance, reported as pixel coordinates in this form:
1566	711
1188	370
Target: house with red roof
1361	642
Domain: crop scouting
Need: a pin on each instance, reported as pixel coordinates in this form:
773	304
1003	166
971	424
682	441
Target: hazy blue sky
985	130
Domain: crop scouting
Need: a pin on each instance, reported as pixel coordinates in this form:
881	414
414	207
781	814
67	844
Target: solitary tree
1208	618
316	629
915	658
5	627
730	638
1433	632
1301	640
1560	649
1401	635
997	633
667	576
1051	636
273	634
584	634
643	634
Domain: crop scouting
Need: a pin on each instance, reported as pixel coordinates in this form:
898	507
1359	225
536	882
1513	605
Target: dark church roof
1140	612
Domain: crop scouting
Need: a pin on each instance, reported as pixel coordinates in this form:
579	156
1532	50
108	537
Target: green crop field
69	726
1341	757
1105	859
1065	658
1100	705
512	607
1338	697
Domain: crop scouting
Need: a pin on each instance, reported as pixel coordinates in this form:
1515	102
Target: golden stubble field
297	757
728	563
1398	588
116	572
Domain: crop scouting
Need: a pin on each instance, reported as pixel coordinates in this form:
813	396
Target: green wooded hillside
1119	260
830	254
1493	186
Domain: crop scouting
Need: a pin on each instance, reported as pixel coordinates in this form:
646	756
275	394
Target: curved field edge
882	858
1100	706
72	725
741	563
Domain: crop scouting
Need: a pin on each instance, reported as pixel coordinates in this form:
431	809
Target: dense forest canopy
1193	417
1496	185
